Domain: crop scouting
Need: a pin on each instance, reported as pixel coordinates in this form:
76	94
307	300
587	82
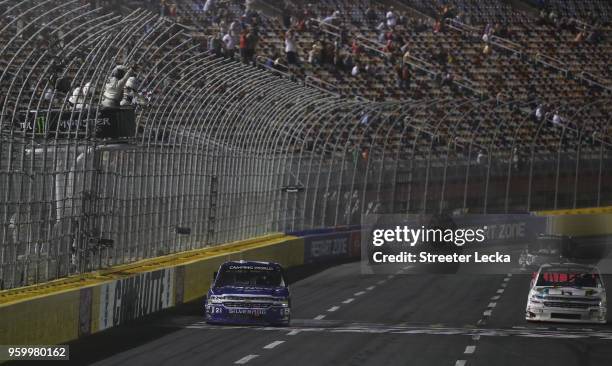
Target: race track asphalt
341	317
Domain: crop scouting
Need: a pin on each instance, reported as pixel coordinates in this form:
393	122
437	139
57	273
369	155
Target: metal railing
222	151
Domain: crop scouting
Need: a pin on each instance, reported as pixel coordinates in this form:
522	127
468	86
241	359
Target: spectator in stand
332	19
163	8
209	6
437	28
406	57
291	48
252	42
113	91
230	45
371	69
447	12
486	50
557	120
539	113
447	79
391	18
172	10
243	45
234	30
421	26
542	18
76	100
480	159
403	75
356	48
552	17
356	69
130	92
389	46
215	45
314	55
516	158
348	62
371	17
580	37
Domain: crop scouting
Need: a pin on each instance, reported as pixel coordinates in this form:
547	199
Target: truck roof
251	263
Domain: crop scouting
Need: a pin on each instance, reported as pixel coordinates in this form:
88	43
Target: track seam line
245	359
273	344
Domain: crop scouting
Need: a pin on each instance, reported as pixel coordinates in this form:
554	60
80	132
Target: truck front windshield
568	279
250	277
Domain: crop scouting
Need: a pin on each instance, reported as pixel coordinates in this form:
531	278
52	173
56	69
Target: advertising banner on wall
332	246
134	297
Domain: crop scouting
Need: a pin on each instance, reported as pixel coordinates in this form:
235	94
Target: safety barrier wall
71	308
68	309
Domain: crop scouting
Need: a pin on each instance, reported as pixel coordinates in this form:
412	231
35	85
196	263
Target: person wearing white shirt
391	18
330	19
291	48
355	70
113	90
235	29
539	113
480	159
557	119
230	45
208	6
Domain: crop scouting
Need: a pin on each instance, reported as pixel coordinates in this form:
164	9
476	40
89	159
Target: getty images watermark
446	244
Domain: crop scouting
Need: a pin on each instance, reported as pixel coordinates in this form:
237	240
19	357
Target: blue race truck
248	292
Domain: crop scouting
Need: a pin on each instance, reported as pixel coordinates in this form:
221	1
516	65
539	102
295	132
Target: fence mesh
222	151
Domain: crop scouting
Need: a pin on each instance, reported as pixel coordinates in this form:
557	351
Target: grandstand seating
479	125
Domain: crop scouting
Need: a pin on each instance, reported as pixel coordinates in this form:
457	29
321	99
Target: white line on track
381	282
293	332
500	291
370	288
487	313
274	344
333	308
348	301
476	337
469	350
245	359
496	297
506	279
492	305
509	275
390	277
504	284
359	293
460	363
319	317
